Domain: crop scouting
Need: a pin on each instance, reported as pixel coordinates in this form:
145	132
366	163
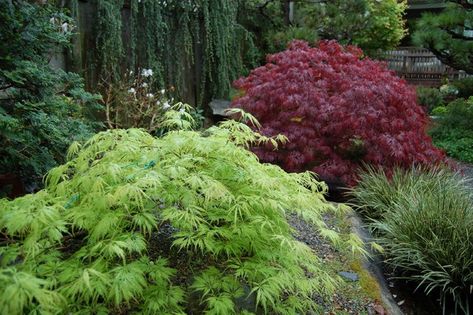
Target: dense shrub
42	110
136	102
337	110
424	221
453	130
464	87
430	98
134	223
456	142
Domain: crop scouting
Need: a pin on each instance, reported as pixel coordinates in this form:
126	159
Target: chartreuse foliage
95	241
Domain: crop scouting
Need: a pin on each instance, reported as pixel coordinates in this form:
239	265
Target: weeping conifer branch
165	36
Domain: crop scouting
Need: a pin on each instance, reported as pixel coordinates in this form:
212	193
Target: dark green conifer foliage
42	110
98	238
164	36
449	34
109	38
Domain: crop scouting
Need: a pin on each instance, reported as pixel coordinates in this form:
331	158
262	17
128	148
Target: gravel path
339	303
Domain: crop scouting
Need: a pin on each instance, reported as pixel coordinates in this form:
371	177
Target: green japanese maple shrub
132	223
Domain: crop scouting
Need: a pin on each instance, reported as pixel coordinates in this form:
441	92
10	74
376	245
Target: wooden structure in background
420	67
81	56
426	4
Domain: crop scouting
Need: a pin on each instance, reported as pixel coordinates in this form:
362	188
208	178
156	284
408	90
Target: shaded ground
355	296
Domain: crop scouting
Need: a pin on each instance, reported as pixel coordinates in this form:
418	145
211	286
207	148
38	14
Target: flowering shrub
136	102
337	110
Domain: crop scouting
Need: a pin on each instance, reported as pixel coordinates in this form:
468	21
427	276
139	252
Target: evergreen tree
41	109
449	34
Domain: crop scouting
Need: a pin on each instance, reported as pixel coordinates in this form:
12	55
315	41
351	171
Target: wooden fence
420	67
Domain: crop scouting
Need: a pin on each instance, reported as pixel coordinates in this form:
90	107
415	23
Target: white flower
144	84
182	111
162	91
64	27
166	105
131	72
150	95
132	90
147	72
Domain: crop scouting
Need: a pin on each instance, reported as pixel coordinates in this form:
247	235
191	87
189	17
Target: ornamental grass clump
424	221
187	223
338	110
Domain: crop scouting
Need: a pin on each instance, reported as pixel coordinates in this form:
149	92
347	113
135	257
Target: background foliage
167	37
337	110
430	98
279	41
449	34
41	110
464	87
453	130
370	24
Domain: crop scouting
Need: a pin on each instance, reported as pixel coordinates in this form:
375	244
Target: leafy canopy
133	223
337	110
370	24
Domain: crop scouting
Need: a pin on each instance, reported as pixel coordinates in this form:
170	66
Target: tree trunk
286	9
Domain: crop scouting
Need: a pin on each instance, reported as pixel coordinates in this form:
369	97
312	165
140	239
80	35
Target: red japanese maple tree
338	110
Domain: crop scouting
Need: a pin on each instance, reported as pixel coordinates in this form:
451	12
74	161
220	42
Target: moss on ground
354	297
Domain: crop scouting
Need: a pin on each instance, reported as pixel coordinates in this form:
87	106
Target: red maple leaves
337	110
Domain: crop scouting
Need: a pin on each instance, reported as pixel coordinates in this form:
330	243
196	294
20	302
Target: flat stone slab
352	276
219	106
